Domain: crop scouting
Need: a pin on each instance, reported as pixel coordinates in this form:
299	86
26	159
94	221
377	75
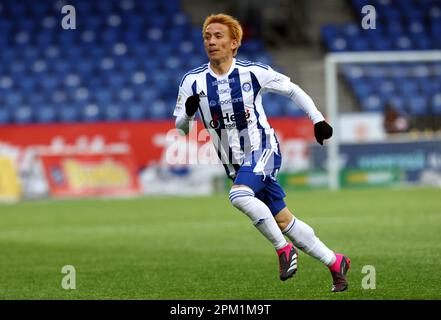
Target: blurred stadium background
85	112
102	95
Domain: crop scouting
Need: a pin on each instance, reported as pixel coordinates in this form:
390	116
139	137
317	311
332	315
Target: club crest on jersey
246	86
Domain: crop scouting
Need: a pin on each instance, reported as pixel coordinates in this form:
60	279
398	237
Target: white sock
259	213
304	238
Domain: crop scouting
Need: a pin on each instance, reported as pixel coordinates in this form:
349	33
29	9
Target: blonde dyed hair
232	23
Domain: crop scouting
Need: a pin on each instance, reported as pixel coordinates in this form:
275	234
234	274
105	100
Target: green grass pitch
202	248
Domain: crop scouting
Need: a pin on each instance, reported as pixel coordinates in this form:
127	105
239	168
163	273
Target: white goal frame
332	60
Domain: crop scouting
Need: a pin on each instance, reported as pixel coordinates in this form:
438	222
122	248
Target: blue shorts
259	171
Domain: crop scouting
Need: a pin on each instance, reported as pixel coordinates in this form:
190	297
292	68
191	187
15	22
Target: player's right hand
192	105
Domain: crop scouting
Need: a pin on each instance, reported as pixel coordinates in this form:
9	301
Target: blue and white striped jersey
231	107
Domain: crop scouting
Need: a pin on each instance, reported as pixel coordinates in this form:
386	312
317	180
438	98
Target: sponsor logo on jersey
227	90
214	103
228	101
223	81
229	120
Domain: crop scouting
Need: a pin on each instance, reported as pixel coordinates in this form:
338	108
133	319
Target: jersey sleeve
273	81
183	93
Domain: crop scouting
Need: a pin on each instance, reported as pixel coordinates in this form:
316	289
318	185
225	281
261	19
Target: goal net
385	108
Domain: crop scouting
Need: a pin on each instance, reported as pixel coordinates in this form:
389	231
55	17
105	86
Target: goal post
332	61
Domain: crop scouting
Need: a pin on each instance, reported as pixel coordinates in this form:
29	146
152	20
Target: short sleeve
183	93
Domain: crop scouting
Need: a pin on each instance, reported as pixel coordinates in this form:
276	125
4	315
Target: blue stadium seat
91	113
22	115
358	44
373	103
407	86
293	110
273	107
362	89
123	62
403	43
136	112
381	44
13	98
103	96
36	99
397	102
27	85
387	89
376	71
125	95
398	72
170	7
68	113
418	105
329	32
436	104
5	116
401	25
113	112
158	110
45	114
338	44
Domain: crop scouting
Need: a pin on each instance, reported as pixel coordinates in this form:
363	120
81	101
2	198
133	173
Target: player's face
218	43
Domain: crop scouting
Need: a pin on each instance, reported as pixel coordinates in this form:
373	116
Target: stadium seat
22	115
68	113
136	112
273	108
293	110
401	25
123	62
418	105
113	112
45	114
4	116
158	110
372	103
436	103
91	113
397	102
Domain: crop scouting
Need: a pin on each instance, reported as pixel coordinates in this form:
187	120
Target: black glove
322	130
192	105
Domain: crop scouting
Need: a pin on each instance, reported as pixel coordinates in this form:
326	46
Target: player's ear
234	44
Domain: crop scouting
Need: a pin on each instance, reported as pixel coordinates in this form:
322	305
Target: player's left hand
322	130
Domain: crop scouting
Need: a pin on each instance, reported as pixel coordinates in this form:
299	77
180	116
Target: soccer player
227	92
